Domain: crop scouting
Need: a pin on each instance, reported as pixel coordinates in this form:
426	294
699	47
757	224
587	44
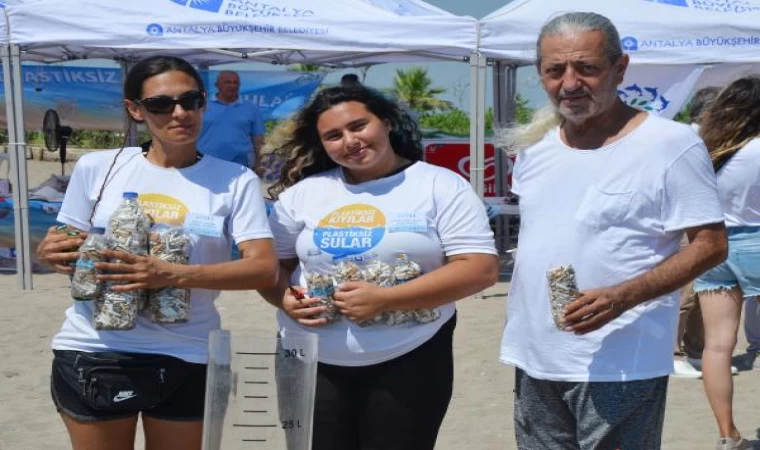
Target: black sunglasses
163	104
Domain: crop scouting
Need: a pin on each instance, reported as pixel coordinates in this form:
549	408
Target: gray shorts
557	415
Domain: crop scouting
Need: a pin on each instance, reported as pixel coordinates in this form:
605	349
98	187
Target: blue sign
90	98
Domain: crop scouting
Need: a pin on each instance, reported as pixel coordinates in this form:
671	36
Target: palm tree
413	87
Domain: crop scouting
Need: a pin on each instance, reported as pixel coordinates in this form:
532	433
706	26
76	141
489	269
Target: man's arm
708	247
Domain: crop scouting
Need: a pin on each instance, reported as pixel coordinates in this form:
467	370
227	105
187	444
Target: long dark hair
133	89
303	153
732	120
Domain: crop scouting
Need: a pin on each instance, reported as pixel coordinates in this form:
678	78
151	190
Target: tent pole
23	190
502	222
12	139
504	91
477	121
203	71
11	57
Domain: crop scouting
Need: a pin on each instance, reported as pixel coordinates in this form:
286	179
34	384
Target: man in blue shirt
233	130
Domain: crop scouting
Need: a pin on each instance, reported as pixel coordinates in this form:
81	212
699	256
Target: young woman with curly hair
355	197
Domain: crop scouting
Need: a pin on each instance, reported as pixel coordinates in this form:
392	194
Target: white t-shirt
739	187
209	187
425	211
612	213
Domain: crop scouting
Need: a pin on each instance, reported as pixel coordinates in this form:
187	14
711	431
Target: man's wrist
624	296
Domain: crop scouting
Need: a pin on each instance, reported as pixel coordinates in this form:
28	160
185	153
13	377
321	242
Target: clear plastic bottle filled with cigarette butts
260	391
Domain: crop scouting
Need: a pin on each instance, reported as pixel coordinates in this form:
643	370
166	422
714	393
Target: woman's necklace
148	146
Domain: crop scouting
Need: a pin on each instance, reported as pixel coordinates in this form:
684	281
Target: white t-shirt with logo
613	213
425	211
739	187
228	192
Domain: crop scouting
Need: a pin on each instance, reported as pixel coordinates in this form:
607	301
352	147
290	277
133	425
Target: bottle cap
130	195
97	230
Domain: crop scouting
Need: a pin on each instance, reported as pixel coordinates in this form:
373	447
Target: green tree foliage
684	115
457	122
414	88
523	112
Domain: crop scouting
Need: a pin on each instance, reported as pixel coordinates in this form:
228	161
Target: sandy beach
479	417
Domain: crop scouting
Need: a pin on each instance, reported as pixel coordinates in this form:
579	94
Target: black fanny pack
122	381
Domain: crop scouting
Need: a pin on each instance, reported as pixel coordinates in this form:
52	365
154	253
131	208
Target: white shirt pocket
602	209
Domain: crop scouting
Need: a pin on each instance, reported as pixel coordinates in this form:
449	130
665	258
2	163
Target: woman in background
731	131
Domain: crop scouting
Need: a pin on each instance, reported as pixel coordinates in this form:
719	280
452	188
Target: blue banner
90	98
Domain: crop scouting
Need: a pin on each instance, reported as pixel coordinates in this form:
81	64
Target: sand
479	417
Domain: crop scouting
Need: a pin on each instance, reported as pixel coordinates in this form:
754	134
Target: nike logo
124	395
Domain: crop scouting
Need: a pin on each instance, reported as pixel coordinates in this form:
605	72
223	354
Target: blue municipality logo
154	29
671	2
646	98
725	6
205	5
629	44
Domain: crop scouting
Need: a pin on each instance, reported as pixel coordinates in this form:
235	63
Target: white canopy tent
215	31
208	32
718	40
651	31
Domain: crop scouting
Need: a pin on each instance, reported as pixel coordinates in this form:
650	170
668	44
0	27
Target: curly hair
732	120
303	153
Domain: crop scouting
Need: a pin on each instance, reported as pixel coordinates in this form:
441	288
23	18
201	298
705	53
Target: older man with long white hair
606	192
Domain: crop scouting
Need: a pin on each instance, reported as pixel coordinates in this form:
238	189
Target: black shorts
93	387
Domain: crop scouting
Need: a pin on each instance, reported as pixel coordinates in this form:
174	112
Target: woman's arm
273	295
257	268
461	276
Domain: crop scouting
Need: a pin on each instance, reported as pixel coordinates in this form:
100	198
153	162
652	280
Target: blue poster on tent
90	98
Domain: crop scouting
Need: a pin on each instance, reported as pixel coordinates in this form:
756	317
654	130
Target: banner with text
90	98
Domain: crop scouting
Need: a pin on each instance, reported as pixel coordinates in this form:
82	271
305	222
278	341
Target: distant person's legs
721	311
690	337
752	324
722	291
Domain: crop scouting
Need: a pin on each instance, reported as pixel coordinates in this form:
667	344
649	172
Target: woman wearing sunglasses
103	380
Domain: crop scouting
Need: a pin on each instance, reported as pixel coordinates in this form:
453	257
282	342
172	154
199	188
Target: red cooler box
454	154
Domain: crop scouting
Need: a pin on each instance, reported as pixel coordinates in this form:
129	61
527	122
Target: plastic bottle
129	226
84	283
321	285
71	232
405	270
127	231
169	304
